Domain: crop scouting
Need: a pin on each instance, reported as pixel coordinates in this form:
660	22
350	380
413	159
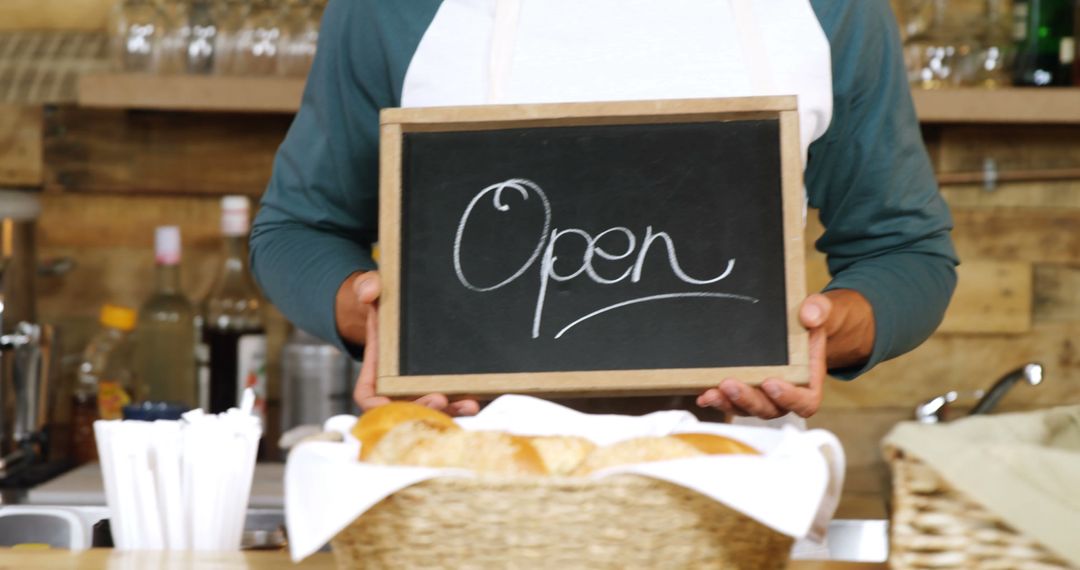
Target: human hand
365	288
841	315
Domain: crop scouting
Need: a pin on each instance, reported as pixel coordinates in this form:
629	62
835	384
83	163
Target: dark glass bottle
1042	29
233	330
1076	44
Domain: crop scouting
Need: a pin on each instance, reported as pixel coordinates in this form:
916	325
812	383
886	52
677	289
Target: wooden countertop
11	559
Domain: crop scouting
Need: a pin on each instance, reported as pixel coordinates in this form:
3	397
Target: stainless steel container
24	345
317	381
19	211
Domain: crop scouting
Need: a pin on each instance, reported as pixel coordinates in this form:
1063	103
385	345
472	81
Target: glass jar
998	50
230	16
944	47
201	44
258	44
136	29
300	36
175	38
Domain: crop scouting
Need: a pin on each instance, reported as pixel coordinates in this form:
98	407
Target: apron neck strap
755	53
503	37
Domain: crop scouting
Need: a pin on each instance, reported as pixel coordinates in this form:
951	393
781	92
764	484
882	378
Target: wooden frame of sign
396	123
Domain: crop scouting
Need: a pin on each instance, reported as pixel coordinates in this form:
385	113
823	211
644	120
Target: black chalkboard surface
548	251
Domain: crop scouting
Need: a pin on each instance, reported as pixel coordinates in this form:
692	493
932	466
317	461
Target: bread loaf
562	455
390	449
711	444
489	452
637	450
374	424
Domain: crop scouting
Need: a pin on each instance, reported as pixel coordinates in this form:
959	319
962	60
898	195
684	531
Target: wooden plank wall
20	146
54	14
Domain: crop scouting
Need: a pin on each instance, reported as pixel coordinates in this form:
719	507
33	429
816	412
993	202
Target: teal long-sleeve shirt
887	228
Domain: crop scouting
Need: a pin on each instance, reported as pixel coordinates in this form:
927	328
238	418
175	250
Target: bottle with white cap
233	330
165	352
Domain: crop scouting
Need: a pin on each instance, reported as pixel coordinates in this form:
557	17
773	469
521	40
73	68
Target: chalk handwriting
545	253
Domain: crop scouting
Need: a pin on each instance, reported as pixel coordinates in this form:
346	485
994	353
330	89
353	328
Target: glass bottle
136	29
105	379
1076	44
165	357
1040	29
233	327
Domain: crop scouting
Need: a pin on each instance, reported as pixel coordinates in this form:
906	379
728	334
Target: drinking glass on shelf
136	29
299	37
258	43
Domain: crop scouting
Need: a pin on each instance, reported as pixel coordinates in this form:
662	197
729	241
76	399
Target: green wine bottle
1043	30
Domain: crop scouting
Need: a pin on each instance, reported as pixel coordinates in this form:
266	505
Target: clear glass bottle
105	379
233	329
136	30
165	358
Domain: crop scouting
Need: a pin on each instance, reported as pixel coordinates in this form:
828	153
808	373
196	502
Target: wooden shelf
282	95
190	93
1002	106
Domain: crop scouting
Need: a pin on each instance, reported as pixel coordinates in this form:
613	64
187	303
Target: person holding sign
866	170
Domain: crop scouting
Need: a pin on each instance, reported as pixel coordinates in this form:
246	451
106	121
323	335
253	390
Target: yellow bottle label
111	400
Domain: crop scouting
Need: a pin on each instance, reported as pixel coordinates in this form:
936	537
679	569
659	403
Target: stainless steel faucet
936	410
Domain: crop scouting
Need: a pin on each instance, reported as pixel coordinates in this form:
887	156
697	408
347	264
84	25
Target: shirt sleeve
886	226
318	217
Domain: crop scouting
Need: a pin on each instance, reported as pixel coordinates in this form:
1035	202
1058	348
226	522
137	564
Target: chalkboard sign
638	247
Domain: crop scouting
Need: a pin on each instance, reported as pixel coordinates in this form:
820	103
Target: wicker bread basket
619	522
936	526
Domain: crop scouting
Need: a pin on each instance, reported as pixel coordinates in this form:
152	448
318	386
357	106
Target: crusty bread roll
376	423
391	448
637	450
562	455
481	451
711	444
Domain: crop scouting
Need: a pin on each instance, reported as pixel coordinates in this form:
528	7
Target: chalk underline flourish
651	298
